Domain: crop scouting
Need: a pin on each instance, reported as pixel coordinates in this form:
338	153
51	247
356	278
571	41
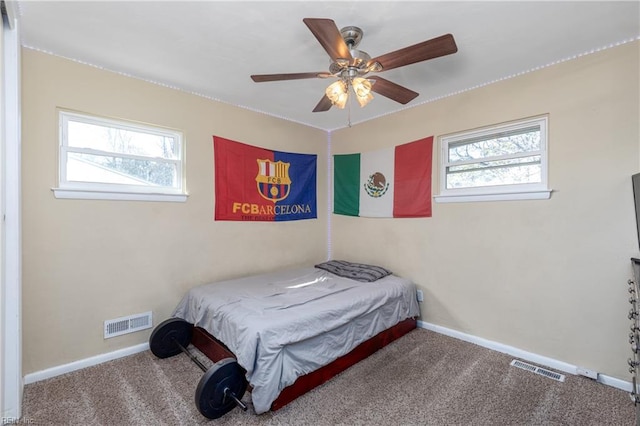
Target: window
110	159
503	162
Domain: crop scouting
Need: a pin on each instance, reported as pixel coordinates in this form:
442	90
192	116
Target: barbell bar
222	386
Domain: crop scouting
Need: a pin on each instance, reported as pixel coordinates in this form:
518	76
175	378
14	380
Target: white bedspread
286	324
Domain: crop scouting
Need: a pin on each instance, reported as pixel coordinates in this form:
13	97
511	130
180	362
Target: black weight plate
163	338
210	395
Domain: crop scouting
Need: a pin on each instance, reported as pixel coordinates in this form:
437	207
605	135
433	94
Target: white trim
522	354
131	184
329	197
507	196
402	108
615	383
489	344
11	6
79	194
521	191
83	363
11	252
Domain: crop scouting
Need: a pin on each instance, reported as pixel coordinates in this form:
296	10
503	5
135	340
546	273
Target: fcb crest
273	180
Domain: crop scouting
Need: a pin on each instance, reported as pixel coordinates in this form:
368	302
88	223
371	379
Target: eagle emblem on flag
377	185
273	181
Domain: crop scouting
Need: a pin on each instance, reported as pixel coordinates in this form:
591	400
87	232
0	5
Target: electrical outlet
419	295
587	373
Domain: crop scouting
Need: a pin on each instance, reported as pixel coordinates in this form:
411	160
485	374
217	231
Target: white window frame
111	191
528	191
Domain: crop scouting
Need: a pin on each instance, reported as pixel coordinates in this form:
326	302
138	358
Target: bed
284	326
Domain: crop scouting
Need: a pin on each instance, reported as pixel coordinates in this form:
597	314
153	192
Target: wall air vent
124	325
538	370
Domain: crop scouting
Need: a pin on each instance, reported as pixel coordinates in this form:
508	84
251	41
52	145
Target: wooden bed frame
216	350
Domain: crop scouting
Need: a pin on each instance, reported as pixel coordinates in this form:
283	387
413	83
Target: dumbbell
222	386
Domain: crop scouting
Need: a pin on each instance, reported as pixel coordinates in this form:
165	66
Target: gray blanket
286	324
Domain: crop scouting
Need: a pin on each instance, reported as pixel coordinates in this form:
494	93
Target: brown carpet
423	378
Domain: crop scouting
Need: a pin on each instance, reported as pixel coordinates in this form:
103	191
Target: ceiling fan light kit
338	92
351	65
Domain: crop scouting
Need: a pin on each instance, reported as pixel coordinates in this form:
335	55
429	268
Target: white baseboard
527	356
489	344
615	383
83	363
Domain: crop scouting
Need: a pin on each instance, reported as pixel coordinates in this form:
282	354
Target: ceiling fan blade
324	104
392	90
261	78
434	48
327	33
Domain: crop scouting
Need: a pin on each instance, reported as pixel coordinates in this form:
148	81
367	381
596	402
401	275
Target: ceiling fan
351	65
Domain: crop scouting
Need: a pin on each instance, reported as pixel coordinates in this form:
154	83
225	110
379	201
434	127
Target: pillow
355	271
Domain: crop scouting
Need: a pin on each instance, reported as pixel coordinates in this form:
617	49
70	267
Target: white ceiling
212	47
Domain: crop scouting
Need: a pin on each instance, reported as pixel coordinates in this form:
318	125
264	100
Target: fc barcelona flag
257	184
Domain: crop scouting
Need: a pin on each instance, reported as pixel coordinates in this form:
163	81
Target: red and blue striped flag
257	184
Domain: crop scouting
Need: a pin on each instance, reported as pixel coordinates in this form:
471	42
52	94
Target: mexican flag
391	182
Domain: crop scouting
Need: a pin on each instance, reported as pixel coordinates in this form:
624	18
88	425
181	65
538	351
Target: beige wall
86	261
546	276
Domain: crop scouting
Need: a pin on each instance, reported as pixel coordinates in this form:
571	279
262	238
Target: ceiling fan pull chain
349	108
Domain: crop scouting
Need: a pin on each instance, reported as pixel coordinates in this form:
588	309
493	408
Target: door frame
11	379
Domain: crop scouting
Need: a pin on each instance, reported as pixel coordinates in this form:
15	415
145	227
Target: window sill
504	196
81	194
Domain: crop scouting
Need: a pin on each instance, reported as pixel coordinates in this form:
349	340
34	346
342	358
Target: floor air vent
130	324
538	370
